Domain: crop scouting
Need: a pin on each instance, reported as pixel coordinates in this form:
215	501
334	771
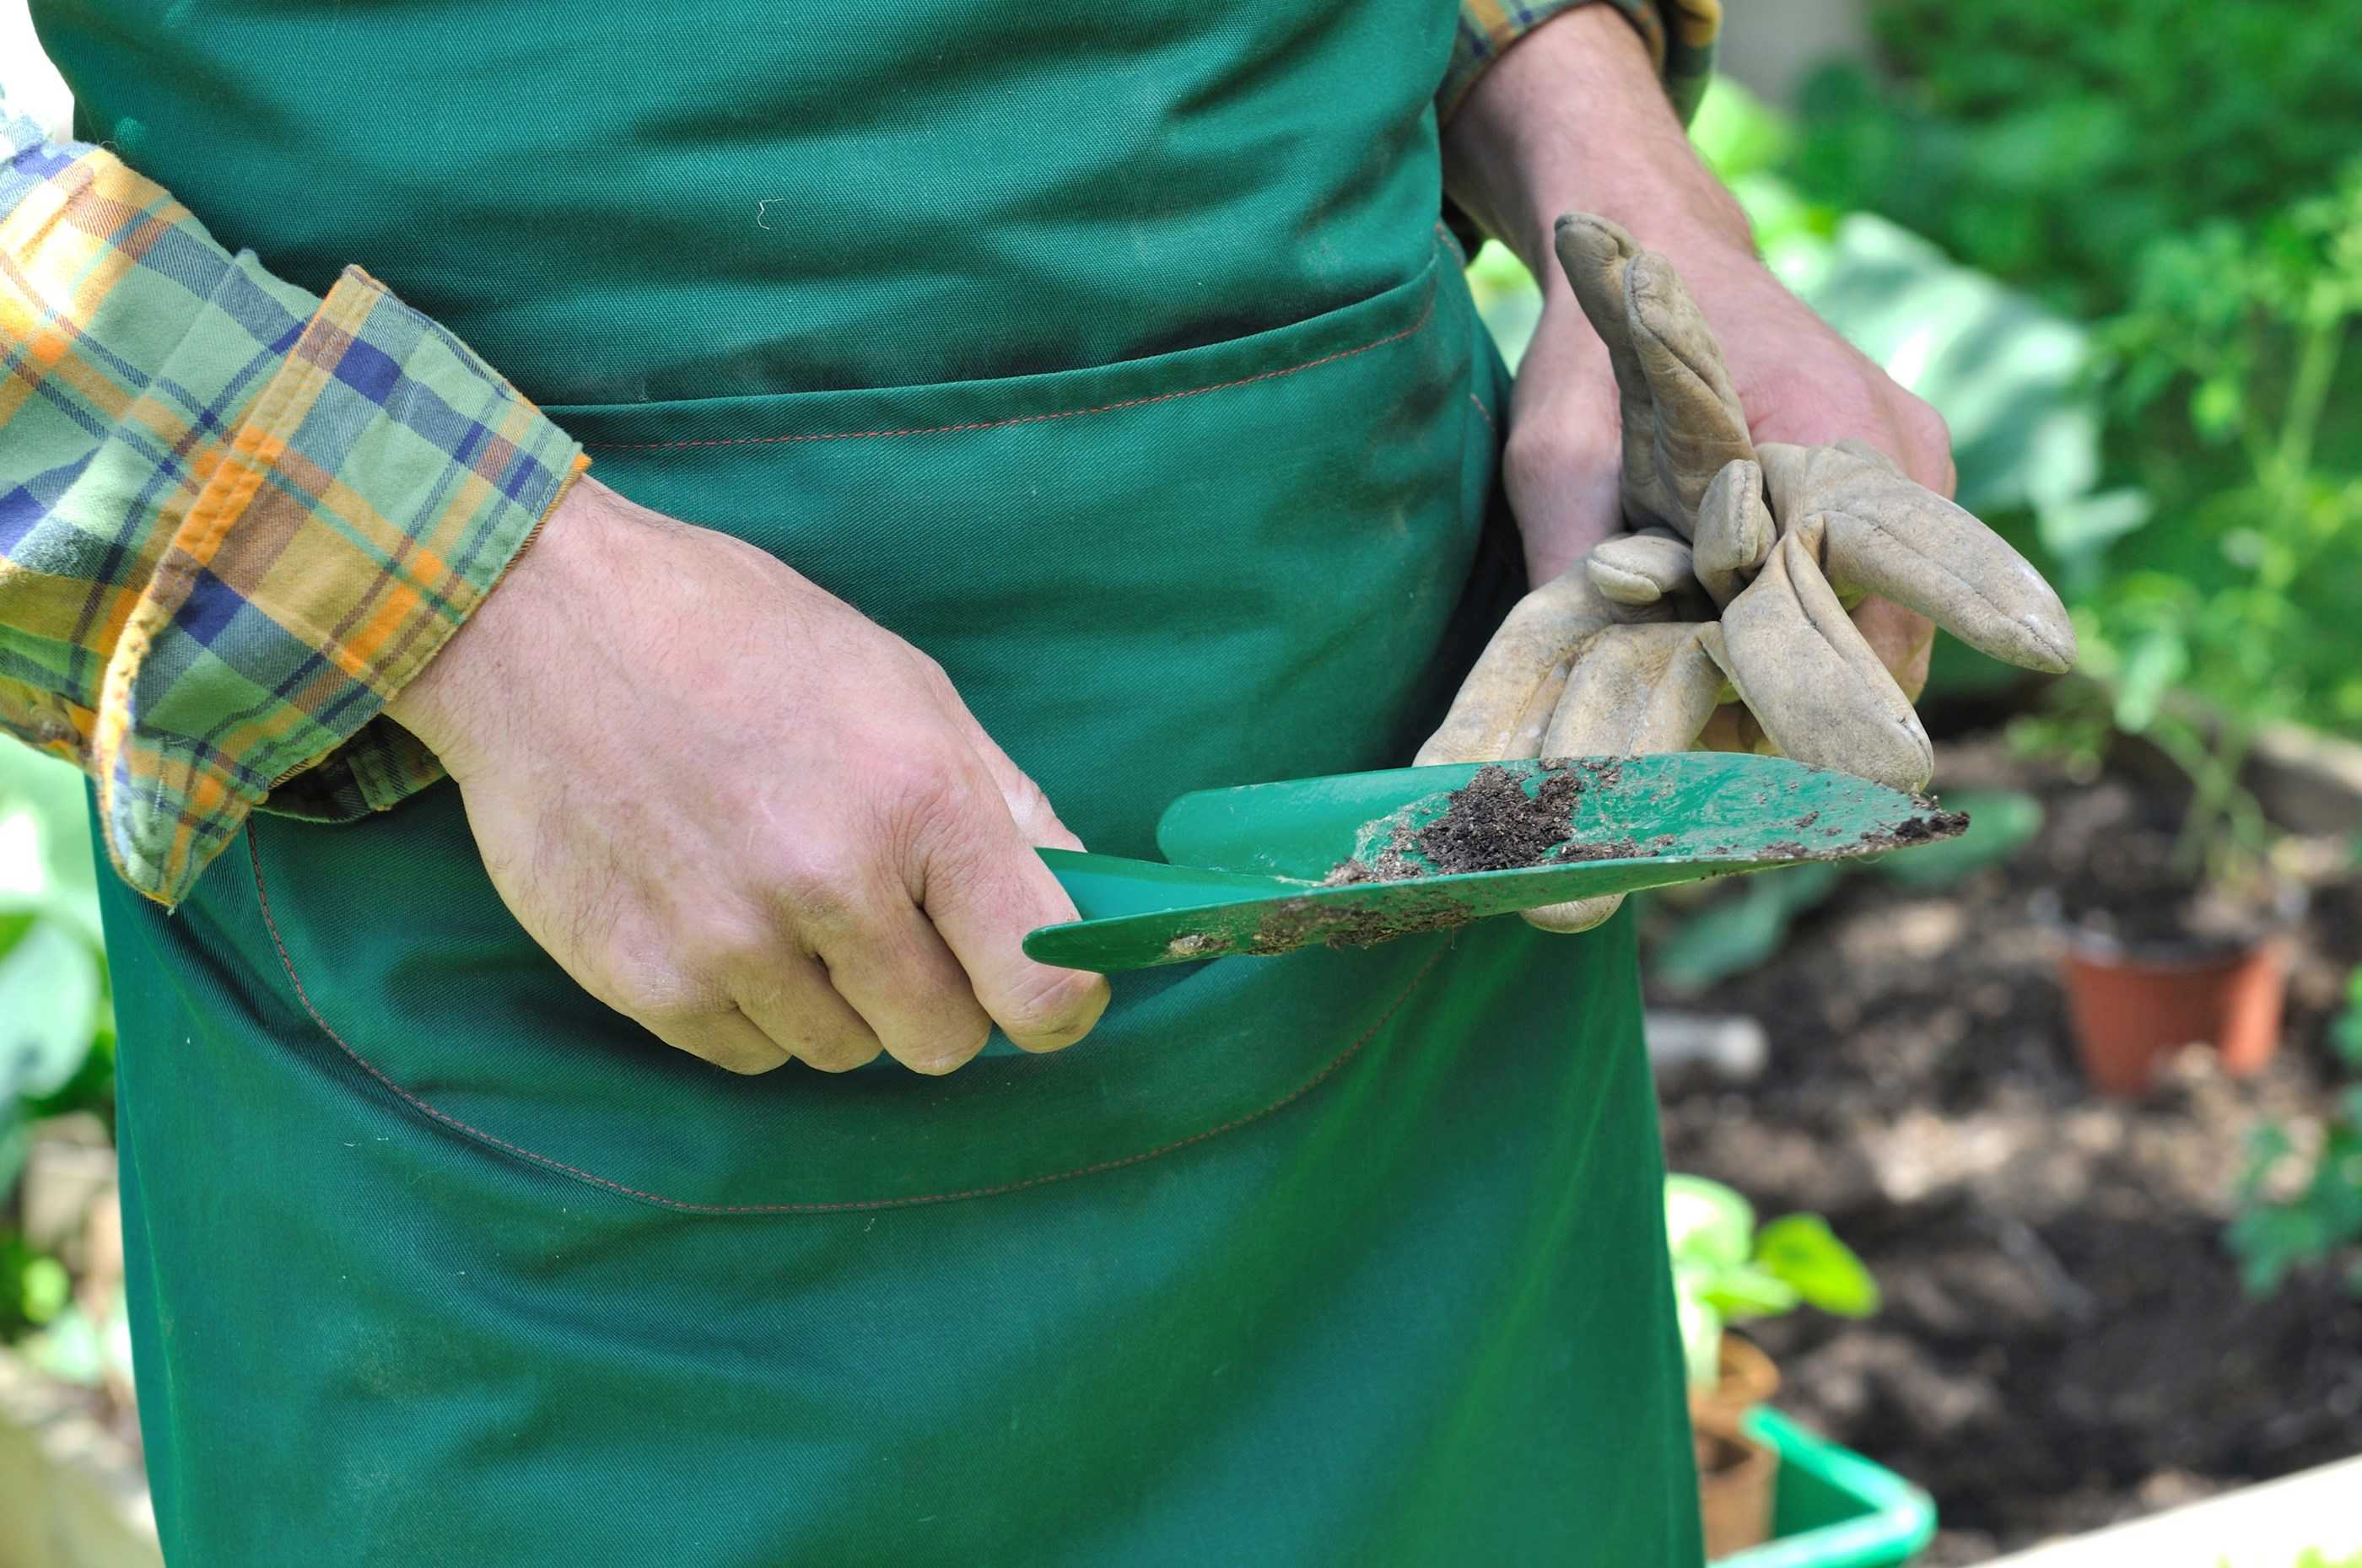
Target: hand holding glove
1737	580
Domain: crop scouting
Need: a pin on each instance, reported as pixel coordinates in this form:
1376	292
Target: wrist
448	703
1574	119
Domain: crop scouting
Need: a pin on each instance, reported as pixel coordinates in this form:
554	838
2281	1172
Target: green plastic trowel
1363	857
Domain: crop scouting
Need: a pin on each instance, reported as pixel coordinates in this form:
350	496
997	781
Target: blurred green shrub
2046	144
2240	616
57	1021
2300	1203
2238	335
2176	166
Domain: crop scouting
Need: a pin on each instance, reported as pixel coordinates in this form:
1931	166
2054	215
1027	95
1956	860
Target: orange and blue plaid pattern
234	518
1680	35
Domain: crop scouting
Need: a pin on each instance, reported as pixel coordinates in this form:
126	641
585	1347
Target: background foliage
2048	145
57	1020
2182	177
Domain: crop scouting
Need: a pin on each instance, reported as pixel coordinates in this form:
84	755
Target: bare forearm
1574	120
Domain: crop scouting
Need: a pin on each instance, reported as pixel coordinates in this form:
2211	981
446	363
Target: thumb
1029	808
985	889
1561	467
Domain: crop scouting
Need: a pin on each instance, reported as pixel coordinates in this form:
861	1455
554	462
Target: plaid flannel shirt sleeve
234	518
1680	35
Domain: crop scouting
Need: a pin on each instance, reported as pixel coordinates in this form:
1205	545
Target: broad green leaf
1747	1291
1804	1251
51	1000
2079	529
45	855
2005	373
1742	928
1706	1224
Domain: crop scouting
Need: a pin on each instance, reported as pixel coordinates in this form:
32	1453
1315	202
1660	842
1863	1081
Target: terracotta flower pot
1747	1379
1736	1473
1737	1477
2130	1013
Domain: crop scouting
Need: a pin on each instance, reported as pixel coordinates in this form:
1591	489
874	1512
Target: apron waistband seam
444	1118
1413	330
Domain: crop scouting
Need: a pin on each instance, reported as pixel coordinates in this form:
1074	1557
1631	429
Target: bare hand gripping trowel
1365	858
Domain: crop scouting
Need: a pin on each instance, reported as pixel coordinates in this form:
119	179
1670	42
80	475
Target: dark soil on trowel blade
1938	823
1298	921
1490	824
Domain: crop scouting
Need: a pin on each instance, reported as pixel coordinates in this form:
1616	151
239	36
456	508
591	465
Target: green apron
1154	408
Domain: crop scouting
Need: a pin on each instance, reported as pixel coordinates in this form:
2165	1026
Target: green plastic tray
1834	1509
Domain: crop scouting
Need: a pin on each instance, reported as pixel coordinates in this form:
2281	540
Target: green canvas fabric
1114	359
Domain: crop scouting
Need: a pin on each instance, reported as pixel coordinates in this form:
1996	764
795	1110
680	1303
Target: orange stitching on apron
1483	413
1412	330
434	1112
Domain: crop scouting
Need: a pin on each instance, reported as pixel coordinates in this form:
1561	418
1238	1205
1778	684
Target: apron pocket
1232	563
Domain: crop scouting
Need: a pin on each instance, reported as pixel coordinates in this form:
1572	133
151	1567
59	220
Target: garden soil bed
2065	1341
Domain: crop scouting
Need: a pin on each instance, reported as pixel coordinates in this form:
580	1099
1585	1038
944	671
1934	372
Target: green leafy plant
2300	1202
2242	334
1726	1269
2138	157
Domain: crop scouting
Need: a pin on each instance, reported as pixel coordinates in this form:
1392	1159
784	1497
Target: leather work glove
1736	583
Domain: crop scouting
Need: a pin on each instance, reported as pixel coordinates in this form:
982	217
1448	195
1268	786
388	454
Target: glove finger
1634	689
1700	426
1875	532
1639	568
1594	254
1803	670
1505	705
1735	531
